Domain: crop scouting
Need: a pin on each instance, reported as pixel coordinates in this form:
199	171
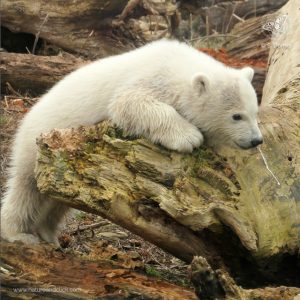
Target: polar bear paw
182	139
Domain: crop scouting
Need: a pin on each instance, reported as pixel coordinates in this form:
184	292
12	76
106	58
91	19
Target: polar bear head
225	108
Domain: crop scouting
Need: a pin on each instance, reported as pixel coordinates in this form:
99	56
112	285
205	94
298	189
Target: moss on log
226	209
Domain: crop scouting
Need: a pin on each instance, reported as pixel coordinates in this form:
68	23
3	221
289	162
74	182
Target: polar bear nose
256	142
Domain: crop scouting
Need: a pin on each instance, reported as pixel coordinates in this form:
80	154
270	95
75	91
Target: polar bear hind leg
20	208
49	221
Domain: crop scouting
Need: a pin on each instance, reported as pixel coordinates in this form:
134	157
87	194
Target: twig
233	10
85	41
207	23
224	20
191	26
90	226
6	110
5	99
267	166
238	18
38	33
10	89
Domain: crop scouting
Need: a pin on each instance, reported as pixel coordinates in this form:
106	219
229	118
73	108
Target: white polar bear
166	91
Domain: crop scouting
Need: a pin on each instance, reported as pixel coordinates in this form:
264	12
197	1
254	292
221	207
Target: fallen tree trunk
27	72
82	27
239	210
93	28
41	272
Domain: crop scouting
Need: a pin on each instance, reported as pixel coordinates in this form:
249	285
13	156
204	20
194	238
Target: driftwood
27	72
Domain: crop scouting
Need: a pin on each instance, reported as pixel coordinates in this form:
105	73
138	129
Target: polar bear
166	91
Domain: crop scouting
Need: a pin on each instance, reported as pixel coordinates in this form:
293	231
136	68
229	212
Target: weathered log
41	272
91	28
229	207
36	74
79	26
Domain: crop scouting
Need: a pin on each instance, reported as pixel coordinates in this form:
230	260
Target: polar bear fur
165	91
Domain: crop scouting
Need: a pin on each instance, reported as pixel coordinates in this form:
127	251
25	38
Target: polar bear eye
237	117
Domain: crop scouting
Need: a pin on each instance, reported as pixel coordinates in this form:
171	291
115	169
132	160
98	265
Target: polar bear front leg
139	113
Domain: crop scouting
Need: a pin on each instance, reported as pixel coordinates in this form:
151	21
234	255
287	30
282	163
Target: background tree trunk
93	28
27	72
226	206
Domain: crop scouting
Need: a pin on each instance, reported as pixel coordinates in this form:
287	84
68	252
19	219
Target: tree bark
228	207
27	72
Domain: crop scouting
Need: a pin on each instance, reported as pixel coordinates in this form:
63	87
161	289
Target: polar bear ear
200	83
248	73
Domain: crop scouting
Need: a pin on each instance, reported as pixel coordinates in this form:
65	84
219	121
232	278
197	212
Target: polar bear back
86	93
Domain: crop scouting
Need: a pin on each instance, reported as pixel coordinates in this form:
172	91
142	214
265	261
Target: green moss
151	271
89	147
80	216
168	275
3	120
204	155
